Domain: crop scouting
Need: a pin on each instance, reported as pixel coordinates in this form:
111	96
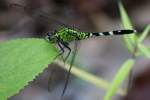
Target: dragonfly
66	34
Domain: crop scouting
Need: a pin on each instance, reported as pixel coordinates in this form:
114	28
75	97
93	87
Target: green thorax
68	34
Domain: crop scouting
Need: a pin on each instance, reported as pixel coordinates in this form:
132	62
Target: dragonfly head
51	37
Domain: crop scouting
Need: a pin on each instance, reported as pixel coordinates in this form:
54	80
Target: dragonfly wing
55	77
74	53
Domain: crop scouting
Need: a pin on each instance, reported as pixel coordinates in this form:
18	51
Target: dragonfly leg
61	50
66	45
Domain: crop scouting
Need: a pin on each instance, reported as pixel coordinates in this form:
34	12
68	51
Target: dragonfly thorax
66	34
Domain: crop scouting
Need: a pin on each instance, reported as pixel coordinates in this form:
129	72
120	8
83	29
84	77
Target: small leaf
144	50
21	61
144	34
119	78
129	39
128	43
124	17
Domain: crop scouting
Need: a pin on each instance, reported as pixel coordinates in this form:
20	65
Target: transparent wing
74	53
36	19
55	77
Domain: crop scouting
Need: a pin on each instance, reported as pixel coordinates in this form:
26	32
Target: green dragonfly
66	34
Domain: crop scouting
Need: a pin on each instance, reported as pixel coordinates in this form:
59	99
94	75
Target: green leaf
144	50
144	34
124	17
128	43
119	78
129	39
21	61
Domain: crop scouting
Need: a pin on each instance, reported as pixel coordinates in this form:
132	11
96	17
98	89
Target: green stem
97	81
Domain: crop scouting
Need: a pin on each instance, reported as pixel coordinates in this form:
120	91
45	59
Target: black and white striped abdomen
117	32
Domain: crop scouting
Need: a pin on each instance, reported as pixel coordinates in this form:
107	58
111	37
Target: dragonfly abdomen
84	35
117	32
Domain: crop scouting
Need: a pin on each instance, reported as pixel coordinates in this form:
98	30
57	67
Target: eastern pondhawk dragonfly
66	34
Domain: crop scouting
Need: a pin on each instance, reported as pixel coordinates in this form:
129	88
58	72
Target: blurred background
100	56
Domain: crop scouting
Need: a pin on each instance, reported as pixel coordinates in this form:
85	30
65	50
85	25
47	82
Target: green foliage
144	34
143	50
120	76
21	61
135	46
129	39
